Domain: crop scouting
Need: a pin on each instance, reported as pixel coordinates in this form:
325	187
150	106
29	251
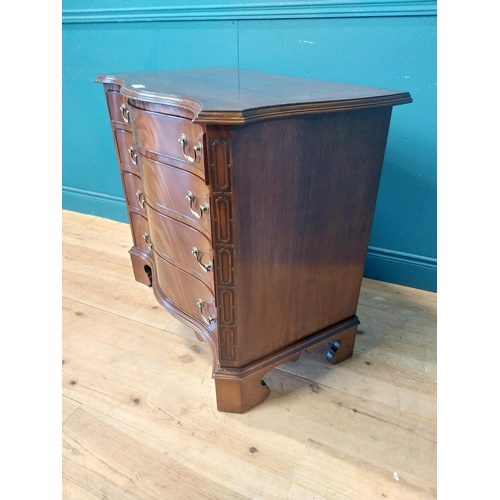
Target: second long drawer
182	243
176	193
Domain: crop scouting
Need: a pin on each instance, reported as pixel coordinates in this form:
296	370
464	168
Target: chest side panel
304	196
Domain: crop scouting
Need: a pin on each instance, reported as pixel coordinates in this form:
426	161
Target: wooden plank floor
139	415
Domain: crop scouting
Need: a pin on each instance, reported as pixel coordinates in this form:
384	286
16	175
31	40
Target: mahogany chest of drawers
251	198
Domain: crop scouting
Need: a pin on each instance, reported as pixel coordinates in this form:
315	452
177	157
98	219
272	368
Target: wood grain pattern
175	241
116	102
126	153
303	223
124	142
158	180
183	291
140	229
236	96
139	412
131	186
159	133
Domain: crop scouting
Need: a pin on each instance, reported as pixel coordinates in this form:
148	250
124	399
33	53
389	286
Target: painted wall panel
76	11
393	52
396	53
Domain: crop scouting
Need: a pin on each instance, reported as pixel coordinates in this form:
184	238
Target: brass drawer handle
203	208
208	320
125	113
206	267
141	198
133	155
147	239
196	149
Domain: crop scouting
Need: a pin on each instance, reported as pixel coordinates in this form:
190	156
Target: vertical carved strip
222	203
227	344
226	268
225	217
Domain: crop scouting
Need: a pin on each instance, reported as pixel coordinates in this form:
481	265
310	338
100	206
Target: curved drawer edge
172	161
208	336
188	270
179	217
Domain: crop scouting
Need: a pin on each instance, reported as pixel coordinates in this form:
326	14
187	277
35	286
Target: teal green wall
389	44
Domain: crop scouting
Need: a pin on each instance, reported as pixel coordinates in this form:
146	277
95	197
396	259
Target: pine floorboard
139	419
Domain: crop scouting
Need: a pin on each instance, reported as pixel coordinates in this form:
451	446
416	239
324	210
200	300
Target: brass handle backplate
196	149
203	208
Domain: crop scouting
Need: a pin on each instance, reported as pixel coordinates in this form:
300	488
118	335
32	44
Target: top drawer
171	136
118	107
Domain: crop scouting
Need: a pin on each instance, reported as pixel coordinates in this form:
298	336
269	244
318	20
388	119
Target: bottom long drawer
186	292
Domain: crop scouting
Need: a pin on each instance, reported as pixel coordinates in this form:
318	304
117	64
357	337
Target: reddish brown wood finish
157	181
304	223
158	133
287	171
179	249
134	196
235	96
237	395
126	150
140	254
184	291
142	264
117	106
140	232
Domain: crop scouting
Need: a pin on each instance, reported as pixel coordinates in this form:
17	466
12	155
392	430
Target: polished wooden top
230	95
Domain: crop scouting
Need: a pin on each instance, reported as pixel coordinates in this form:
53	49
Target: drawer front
186	292
176	193
133	192
118	107
140	232
170	136
183	244
127	155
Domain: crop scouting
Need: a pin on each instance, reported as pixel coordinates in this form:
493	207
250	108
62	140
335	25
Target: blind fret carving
221	177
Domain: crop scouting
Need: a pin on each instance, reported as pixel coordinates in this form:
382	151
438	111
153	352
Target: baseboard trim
406	269
402	268
88	202
254	11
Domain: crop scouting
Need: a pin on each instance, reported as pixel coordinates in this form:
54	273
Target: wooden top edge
248	116
233	96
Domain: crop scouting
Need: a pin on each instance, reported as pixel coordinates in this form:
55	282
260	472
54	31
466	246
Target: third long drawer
184	245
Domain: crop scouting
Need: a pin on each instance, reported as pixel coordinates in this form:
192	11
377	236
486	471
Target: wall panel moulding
251	10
